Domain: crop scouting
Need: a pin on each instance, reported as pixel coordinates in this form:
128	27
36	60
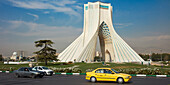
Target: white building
14	56
98	23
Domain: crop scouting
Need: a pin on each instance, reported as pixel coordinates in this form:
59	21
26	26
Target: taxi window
108	71
99	71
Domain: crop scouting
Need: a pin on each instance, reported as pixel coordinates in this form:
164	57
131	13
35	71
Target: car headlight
37	73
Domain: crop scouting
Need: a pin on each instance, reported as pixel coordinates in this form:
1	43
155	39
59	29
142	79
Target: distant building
21	56
57	54
32	58
14	56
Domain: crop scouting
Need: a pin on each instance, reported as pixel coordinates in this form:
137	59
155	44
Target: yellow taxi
107	74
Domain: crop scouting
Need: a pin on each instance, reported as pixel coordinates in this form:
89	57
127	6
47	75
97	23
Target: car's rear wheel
17	75
40	76
120	80
93	79
51	74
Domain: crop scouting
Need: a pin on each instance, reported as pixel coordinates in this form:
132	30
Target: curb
138	75
70	73
6	71
141	75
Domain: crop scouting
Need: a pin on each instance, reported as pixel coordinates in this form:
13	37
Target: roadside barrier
138	75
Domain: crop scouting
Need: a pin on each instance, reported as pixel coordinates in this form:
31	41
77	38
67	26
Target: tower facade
98	23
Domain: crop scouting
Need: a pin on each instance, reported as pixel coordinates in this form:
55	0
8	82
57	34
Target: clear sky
143	24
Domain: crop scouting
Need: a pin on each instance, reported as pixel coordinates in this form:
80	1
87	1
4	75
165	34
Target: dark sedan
28	72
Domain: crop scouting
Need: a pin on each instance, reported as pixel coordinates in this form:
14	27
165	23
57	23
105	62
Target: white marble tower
98	23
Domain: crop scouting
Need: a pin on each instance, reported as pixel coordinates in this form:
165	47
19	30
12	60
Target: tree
166	58
46	53
1	58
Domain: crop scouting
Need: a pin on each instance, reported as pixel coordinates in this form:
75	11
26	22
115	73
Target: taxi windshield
114	71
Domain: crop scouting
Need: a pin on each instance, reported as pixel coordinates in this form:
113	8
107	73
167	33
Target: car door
21	71
26	72
110	75
99	74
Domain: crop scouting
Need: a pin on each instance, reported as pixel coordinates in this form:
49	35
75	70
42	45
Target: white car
43	69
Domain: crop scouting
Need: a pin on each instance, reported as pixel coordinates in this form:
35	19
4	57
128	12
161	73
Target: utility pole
161	54
150	57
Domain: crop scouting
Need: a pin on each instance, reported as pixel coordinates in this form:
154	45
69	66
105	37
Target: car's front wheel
93	79
120	80
33	76
17	75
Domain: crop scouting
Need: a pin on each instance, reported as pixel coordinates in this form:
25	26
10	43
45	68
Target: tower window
86	7
105	7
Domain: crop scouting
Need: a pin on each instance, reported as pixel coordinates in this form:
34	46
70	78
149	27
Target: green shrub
147	71
89	70
8	69
66	70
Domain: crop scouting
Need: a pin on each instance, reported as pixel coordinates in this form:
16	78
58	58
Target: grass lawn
84	66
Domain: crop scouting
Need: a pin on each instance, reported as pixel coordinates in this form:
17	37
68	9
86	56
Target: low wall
10	62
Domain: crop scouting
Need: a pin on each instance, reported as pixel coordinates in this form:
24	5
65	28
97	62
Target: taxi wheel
120	80
93	79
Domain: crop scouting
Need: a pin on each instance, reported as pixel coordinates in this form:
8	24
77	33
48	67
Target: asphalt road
10	79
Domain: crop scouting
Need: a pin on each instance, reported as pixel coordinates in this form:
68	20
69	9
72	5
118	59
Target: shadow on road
108	82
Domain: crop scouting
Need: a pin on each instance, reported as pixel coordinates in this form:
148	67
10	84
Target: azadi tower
98	23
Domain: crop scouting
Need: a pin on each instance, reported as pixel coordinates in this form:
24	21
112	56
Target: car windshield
114	71
44	67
